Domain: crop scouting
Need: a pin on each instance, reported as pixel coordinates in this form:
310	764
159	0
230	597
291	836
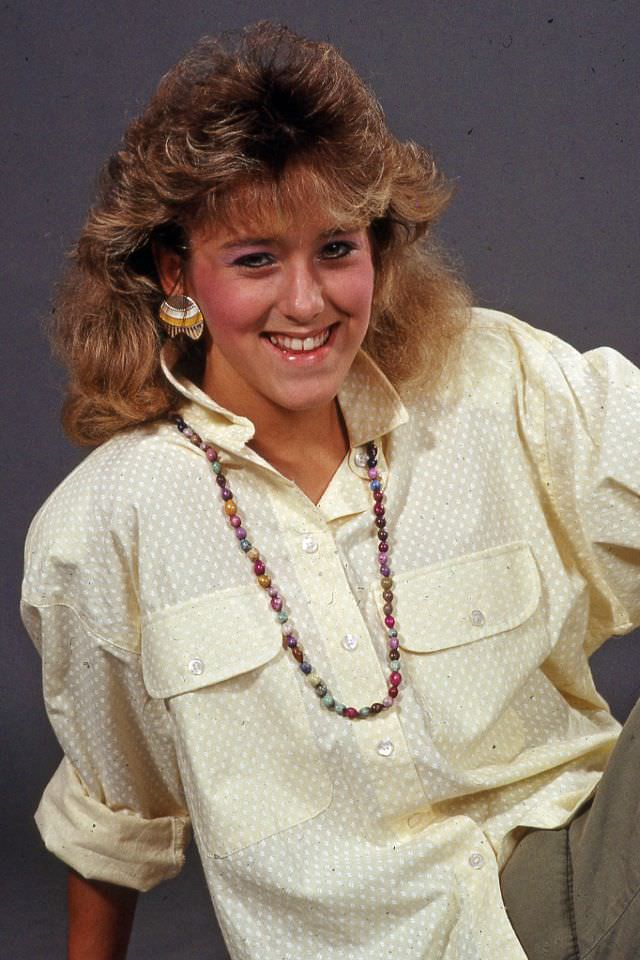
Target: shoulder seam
521	328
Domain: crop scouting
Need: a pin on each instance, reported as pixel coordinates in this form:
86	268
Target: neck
306	446
296	436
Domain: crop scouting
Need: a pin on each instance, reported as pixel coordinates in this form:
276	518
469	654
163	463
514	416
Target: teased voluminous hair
260	123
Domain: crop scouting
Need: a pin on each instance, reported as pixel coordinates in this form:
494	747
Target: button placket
359	679
350	668
358	675
384	751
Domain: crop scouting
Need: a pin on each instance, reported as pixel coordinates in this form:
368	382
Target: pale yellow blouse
515	536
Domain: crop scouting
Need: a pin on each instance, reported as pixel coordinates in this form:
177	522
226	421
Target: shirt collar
370	405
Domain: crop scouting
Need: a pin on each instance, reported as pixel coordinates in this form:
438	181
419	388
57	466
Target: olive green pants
574	893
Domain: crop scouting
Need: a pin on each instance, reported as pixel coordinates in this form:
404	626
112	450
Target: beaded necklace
289	639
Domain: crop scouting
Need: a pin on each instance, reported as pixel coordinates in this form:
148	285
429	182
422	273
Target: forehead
267	208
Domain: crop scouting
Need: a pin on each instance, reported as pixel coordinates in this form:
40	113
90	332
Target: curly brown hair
253	122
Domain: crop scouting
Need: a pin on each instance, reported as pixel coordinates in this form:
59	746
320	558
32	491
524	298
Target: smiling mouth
298	345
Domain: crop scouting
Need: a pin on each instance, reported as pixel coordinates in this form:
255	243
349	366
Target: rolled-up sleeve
117	846
114	810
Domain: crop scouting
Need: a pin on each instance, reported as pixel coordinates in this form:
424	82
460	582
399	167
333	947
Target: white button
350	641
361	458
385	748
196	666
476	860
309	544
477	618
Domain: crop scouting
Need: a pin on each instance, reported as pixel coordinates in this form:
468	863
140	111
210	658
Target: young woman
327	587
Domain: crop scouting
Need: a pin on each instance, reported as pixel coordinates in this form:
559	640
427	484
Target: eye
253	260
336	249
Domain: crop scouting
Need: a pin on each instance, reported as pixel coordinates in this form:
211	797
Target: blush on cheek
355	291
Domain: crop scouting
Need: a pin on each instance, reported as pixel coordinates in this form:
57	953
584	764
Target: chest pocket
248	759
472	632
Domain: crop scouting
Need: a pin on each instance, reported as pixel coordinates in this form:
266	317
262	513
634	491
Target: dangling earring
180	314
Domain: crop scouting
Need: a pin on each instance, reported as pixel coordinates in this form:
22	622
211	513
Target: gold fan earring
179	314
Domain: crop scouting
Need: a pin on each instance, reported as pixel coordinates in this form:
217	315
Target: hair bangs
276	203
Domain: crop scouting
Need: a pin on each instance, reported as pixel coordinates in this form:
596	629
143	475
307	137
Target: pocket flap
466	599
207	640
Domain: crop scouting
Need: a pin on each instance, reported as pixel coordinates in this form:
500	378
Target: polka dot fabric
512	501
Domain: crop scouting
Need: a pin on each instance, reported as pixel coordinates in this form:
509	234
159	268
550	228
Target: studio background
530	107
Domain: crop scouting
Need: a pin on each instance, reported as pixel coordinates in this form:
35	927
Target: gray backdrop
530	106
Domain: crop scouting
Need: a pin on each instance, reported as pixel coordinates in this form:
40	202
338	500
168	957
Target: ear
170	267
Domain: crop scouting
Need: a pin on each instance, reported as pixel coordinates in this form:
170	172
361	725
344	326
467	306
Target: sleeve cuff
116	846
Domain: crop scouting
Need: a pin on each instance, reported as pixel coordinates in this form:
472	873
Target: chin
299	403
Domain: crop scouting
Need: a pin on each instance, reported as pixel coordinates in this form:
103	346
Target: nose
301	296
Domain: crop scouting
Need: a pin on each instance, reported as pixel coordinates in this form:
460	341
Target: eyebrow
258	241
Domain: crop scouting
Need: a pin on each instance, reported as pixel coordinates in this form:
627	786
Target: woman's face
286	312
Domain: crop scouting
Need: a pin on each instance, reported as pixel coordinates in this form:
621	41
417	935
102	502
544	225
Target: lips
299	344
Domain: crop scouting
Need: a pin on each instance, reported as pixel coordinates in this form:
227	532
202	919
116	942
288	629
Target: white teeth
301	346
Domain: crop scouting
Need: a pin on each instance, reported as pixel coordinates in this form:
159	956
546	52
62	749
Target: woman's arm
100	919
